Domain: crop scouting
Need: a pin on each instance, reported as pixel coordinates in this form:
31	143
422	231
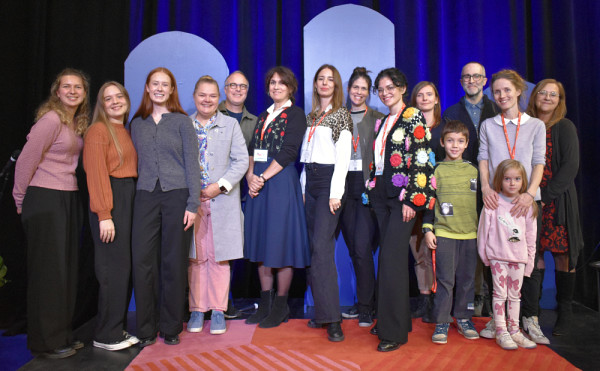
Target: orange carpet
294	346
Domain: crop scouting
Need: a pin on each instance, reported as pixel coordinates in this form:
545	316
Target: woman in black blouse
275	226
561	229
326	155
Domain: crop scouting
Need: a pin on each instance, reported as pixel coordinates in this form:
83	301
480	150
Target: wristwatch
425	230
262	177
223	189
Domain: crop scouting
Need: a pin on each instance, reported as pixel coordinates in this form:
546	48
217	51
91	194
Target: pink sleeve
40	138
530	239
482	235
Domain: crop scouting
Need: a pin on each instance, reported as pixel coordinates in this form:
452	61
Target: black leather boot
565	284
264	307
280	312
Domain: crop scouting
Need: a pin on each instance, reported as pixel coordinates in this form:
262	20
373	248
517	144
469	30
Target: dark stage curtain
538	38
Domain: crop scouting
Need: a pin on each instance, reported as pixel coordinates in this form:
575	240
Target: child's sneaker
522	341
467	329
440	335
505	341
196	322
532	328
217	323
489	332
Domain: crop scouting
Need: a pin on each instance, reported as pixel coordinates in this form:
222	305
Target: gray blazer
228	159
366	130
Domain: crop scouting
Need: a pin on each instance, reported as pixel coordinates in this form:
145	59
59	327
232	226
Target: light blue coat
228	159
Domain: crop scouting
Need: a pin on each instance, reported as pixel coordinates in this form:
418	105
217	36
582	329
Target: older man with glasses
236	92
473	108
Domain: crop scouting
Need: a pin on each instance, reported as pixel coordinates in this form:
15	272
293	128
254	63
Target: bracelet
532	197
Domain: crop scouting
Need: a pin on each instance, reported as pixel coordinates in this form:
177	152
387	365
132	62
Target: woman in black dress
561	229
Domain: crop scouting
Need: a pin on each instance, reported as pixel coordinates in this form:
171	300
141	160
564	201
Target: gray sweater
168	151
531	143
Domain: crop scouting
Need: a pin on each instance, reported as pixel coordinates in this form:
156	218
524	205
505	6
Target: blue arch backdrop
434	39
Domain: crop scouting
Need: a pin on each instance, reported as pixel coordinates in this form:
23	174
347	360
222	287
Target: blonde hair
502	168
514	78
101	117
81	119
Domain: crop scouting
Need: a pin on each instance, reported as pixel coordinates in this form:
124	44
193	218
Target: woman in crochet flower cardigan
399	186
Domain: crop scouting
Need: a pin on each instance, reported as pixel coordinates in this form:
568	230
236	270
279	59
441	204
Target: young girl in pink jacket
506	243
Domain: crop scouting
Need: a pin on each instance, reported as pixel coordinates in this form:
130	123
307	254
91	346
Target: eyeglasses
552	94
476	77
234	86
388	89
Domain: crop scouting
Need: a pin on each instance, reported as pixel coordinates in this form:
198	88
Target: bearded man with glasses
236	92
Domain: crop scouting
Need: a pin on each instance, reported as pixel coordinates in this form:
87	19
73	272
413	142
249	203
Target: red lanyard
385	134
511	152
264	127
355	143
312	129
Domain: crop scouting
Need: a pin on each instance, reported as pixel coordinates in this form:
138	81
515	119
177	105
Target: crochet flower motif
396	159
407	143
419	199
433	182
432	158
422	157
402	195
371	166
365	199
377	125
421	180
419	133
370	184
409	113
427	134
398	136
400	180
431	203
408	161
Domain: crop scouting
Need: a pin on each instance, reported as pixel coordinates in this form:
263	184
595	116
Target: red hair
173	104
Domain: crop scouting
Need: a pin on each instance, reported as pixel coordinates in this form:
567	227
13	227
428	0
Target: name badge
355	165
379	169
260	155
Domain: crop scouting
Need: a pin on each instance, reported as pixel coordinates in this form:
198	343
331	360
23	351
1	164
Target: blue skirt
274	222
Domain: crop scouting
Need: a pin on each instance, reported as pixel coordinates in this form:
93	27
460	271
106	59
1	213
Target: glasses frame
476	77
234	86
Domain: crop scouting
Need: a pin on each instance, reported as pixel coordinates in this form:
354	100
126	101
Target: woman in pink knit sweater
46	196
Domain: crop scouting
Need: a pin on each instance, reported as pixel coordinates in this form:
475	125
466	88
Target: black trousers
359	227
532	285
393	302
52	221
321	225
160	250
113	264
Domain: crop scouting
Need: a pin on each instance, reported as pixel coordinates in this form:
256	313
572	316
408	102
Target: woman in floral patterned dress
275	225
561	229
400	185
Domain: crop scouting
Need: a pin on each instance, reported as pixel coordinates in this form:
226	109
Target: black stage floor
581	347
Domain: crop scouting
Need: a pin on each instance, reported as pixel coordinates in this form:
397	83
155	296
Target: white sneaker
489	332
505	341
130	338
522	341
113	346
533	330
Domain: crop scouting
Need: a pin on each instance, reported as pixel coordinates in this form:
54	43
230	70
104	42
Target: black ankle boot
280	312
422	307
264	307
565	284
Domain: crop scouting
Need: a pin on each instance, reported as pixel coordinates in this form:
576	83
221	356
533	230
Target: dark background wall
434	39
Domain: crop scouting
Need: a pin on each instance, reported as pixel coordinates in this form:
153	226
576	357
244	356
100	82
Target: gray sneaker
505	341
489	332
532	328
217	323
